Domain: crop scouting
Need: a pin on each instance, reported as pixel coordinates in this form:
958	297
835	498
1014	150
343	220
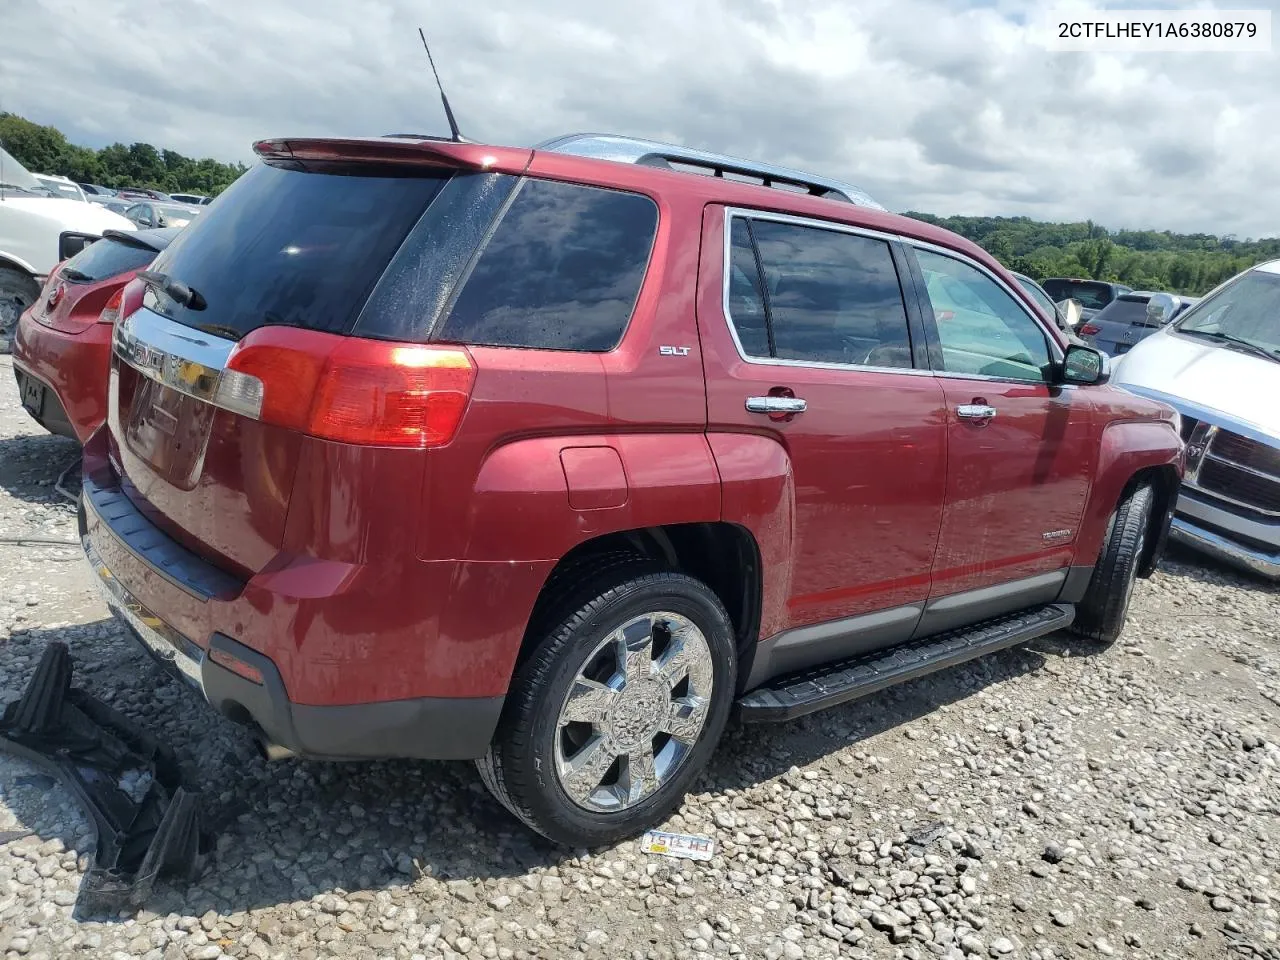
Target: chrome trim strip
604	146
1262	474
162	640
1219	495
1208	509
179	357
1219	547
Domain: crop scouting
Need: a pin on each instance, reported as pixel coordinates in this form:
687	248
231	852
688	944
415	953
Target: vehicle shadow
289	830
31	463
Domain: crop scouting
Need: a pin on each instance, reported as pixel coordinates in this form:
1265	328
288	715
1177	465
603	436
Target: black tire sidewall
543	693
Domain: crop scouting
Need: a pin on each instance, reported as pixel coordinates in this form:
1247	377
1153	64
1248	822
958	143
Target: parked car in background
36	232
1131	317
96	190
1052	311
114	204
162	214
61	186
141	193
704	439
62	347
195	199
1092	295
1218	364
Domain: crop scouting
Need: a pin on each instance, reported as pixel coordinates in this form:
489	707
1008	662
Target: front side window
824	296
981	328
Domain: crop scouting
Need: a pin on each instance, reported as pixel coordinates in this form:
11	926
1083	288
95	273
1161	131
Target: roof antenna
455	134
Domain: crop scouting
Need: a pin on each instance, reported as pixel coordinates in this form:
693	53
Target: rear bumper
1263	562
433	728
73	369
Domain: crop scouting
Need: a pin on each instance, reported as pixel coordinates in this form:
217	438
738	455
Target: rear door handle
975	411
776	405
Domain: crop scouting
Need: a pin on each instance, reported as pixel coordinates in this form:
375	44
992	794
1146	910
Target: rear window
106	258
1092	294
291	247
1124	310
561	272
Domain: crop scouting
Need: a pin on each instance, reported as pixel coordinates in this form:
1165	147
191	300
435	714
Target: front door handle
975	411
776	405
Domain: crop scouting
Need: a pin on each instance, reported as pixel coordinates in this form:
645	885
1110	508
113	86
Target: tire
1100	616
550	748
17	292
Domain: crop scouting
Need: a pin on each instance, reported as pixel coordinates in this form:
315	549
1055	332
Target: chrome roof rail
602	146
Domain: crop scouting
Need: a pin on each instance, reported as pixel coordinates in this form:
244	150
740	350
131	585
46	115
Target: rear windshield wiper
1247	345
189	297
74	275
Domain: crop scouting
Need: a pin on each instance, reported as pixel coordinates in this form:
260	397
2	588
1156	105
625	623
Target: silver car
1219	365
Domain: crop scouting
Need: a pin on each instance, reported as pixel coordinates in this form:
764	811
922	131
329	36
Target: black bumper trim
142	538
52	415
423	728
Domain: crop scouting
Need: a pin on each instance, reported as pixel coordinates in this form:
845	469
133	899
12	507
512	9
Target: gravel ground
1039	803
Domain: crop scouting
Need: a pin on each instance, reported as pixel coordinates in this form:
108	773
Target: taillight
111	312
130	298
1089	329
348	389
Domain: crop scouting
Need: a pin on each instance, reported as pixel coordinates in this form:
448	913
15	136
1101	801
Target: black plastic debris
147	821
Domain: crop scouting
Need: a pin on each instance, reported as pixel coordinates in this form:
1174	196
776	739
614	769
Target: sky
945	107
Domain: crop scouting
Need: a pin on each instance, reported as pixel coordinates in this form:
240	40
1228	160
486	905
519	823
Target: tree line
1144	259
43	149
1190	263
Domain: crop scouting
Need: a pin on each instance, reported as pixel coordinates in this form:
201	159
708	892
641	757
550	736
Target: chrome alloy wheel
634	711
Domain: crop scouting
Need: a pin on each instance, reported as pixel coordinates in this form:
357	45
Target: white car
1218	364
196	199
61	186
37	232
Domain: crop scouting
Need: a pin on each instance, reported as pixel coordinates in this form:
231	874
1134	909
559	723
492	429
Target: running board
820	687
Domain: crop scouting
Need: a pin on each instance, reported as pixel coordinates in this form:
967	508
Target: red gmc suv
549	458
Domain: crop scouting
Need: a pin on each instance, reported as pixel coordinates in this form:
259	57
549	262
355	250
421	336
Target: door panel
1020	448
827	327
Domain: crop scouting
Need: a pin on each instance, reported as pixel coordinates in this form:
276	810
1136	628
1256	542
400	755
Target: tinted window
107	258
293	248
983	330
1092	294
1124	310
417	284
831	297
746	296
561	272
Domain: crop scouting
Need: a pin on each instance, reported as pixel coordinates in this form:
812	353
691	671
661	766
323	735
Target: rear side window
293	247
561	271
106	258
828	296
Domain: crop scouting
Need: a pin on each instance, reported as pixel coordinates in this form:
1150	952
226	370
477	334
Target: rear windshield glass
105	258
1124	310
293	248
561	272
1091	294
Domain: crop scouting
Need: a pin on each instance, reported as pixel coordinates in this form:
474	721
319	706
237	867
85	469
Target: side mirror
1160	308
1085	365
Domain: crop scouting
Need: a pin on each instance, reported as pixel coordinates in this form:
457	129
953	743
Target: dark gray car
1127	319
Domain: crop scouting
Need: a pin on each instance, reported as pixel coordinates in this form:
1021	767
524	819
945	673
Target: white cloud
944	107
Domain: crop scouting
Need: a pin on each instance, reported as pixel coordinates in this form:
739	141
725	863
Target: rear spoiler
396	151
